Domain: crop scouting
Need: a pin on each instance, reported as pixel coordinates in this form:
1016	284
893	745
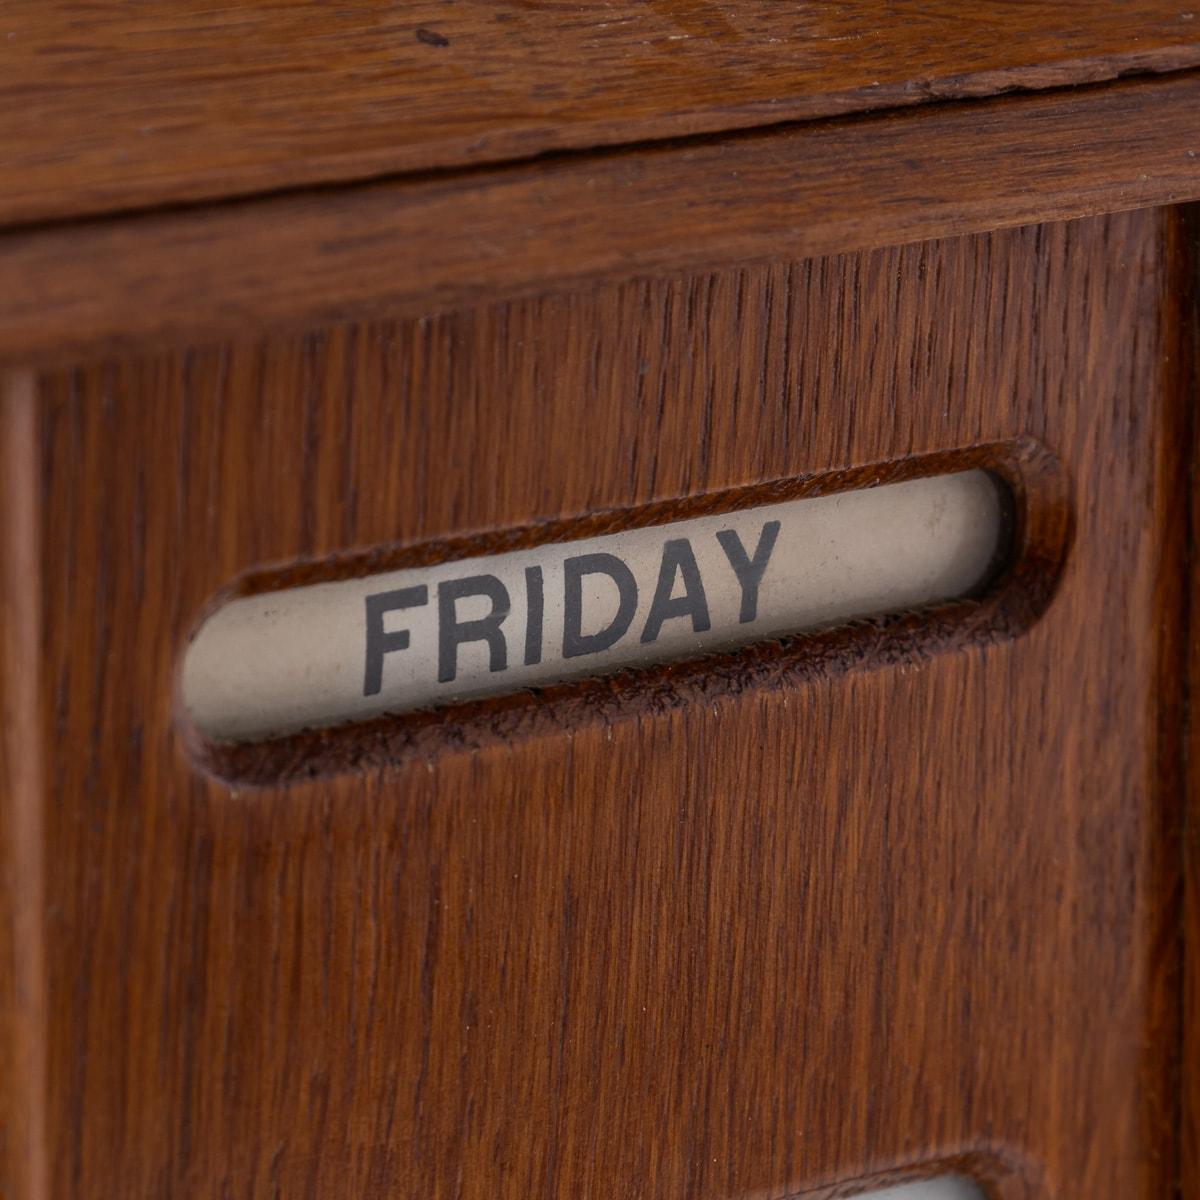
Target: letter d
575	641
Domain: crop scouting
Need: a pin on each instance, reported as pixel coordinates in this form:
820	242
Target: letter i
534	609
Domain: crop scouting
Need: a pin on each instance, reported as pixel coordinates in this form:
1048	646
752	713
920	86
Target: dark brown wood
881	920
413	248
114	106
1189	1059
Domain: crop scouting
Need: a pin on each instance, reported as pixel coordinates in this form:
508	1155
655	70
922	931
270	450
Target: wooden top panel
415	246
106	107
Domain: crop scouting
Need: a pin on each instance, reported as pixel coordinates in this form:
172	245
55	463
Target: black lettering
677	559
536	605
380	642
749	571
453	633
575	641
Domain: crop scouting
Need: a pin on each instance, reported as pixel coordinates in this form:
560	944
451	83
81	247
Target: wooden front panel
852	923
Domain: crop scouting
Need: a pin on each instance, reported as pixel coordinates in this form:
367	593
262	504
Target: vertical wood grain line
23	1090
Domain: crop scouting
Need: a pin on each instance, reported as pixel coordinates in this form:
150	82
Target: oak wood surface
418	246
885	919
113	106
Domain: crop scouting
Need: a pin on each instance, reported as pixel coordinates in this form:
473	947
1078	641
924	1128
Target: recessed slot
277	662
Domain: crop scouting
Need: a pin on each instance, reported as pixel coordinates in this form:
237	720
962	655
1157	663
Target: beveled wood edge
1170	952
422	244
24	1153
1181	657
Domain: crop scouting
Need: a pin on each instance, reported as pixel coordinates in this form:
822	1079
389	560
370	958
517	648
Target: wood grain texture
763	946
416	247
23	1007
115	106
1189	1059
